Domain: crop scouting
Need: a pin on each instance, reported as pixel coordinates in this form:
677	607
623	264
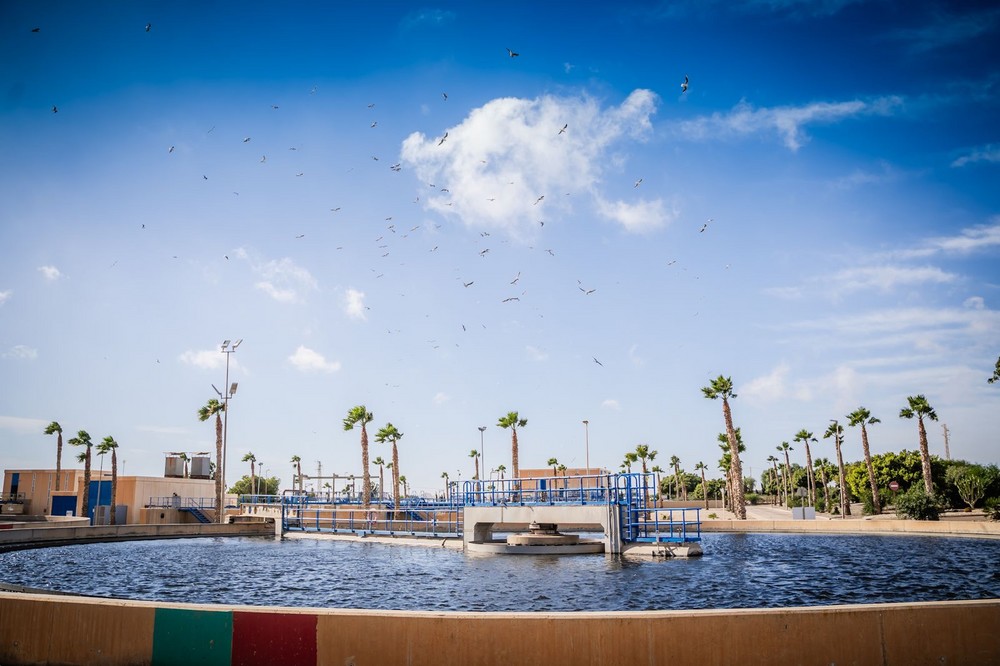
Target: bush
916	504
991	508
753	499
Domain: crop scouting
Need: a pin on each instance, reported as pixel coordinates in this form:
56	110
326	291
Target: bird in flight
516	278
443	138
563	128
512	298
597	362
684	86
468	284
704	226
445	95
301	236
374	123
148	26
512	54
538	200
55	109
638	183
246	139
171	149
36	30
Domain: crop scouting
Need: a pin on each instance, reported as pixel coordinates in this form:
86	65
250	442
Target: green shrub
916	504
753	499
991	508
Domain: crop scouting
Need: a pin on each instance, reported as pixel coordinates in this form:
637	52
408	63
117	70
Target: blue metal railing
177	502
414	516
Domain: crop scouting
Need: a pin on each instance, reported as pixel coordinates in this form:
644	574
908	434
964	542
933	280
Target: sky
454	210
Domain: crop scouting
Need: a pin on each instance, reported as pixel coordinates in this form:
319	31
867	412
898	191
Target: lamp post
227	349
482	448
840	467
586	439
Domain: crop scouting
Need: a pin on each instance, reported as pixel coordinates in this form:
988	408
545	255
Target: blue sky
379	201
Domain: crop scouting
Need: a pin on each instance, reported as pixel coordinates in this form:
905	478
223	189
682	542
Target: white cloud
611	404
975	238
786	121
51	273
888	277
440	398
768	388
21	352
638	217
281	279
536	354
498	164
205	359
23	425
988	153
974	303
354	304
5	296
307	360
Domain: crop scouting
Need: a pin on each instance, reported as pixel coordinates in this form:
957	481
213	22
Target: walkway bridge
617	505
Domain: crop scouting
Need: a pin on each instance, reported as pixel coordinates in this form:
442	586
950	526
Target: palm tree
863	417
726	465
630	458
444	475
474	454
389	433
406	491
805	437
785	447
722	387
381	478
83	439
56	429
920	408
251	458
356	415
837	431
657	470
215	408
106	445
297	461
704	486
562	468
822	464
554	464
513	421
777	489
675	462
996	373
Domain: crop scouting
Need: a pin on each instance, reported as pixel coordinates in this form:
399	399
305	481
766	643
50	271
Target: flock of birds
396	167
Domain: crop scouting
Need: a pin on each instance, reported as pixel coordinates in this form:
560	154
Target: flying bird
538	200
638	183
55	109
445	95
512	54
597	362
374	123
563	128
246	139
301	236
512	298
171	149
148	26
684	86
516	278
36	30
468	284
704	226
443	138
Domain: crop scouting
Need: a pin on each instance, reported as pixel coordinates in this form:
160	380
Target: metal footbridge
618	504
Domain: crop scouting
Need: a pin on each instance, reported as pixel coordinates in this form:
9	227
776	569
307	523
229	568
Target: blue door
100	495
63	503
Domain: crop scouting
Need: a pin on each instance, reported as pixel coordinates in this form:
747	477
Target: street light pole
227	349
586	436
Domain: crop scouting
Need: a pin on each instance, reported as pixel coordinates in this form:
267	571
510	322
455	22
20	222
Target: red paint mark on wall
274	638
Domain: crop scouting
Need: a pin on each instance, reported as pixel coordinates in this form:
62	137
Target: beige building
142	499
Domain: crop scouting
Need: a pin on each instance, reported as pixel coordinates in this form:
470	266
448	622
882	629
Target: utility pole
947	451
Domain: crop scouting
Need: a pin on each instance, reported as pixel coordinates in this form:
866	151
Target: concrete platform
583	546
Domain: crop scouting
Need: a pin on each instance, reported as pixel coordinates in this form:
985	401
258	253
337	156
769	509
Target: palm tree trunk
366	484
513	452
86	484
925	456
876	502
739	500
810	480
845	508
395	476
59	445
704	488
114	484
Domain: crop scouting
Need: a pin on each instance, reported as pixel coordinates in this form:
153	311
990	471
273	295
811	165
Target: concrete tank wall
125	632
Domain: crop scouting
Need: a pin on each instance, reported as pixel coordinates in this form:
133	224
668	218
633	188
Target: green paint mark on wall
192	637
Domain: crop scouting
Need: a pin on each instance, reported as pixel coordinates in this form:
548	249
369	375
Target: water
737	571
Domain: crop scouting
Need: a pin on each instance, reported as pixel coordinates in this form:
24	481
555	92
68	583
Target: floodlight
225	343
232	389
237	343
